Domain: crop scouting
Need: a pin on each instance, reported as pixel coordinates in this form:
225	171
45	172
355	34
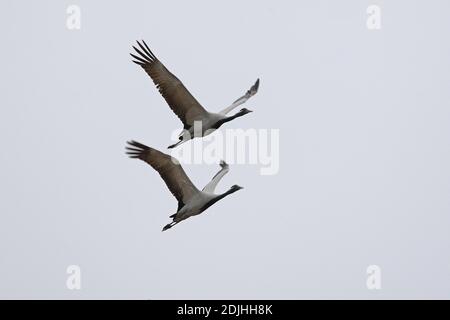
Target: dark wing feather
169	169
179	99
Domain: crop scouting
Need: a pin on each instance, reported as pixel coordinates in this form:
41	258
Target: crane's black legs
168	226
174	145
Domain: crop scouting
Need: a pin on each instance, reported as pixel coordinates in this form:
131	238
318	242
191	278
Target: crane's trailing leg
174	145
170	225
183	137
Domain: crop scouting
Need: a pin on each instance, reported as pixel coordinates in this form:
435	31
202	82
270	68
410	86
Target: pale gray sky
364	150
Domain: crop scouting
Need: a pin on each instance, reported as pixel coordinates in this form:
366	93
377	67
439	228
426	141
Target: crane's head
244	111
236	188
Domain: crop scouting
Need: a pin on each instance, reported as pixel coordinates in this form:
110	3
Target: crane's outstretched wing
250	93
211	186
168	168
179	99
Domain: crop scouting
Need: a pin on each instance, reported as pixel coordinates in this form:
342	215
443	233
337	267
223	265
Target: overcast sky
364	178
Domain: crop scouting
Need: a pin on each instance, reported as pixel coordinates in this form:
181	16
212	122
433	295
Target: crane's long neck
227	119
217	198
